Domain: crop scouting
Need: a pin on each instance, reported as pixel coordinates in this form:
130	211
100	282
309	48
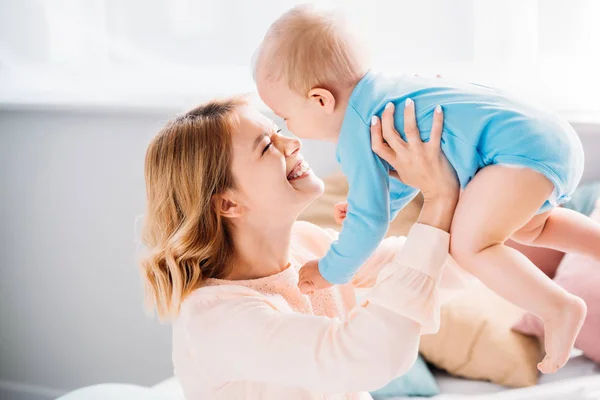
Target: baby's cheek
289	125
308	127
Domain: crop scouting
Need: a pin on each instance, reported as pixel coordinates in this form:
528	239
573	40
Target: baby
516	164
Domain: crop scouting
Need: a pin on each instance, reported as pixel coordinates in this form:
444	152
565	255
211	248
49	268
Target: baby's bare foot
560	332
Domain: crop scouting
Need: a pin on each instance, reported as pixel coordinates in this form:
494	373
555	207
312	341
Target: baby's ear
323	99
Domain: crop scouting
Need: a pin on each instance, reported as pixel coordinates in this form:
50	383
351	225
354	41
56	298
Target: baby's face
304	118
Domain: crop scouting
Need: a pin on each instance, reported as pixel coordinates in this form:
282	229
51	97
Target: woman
224	191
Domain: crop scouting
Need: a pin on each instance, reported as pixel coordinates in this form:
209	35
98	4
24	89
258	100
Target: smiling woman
224	190
246	170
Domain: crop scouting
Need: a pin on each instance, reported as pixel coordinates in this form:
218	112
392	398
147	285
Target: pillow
417	382
320	212
579	275
475	340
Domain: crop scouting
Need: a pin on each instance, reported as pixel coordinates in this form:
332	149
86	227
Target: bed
579	372
578	380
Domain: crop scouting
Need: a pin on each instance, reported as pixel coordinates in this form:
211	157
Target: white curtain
162	51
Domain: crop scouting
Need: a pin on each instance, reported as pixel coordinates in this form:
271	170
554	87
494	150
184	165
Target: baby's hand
339	212
311	279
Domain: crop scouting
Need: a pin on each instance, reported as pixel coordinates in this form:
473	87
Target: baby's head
305	70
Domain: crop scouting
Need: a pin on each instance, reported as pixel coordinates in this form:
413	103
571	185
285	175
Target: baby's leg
495	204
564	230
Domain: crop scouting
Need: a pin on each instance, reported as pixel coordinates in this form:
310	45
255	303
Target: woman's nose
291	146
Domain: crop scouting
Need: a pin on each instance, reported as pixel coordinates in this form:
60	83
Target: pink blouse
263	339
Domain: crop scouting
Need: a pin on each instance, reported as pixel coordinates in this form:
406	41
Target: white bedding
585	388
578	366
578	380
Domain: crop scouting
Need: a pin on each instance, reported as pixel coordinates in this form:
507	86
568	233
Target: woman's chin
309	187
313	185
319	187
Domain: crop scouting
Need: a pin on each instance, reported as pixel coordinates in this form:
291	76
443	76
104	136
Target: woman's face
273	183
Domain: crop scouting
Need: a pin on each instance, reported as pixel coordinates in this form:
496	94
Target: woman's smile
299	171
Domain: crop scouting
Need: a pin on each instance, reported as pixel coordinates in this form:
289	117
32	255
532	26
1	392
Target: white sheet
585	388
578	380
578	366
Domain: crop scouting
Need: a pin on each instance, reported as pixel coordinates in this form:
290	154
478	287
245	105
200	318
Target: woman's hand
417	164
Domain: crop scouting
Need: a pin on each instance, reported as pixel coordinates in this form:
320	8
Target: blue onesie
482	126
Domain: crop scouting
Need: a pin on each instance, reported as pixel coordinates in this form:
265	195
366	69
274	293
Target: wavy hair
187	240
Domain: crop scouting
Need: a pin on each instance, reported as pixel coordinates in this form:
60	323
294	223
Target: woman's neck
260	252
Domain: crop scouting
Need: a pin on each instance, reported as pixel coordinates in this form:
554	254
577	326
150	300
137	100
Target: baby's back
482	126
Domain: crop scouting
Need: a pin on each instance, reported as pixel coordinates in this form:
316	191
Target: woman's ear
323	99
227	205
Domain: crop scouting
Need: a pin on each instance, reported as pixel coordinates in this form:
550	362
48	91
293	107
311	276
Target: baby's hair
310	48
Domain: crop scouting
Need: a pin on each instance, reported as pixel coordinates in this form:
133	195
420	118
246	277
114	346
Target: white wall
71	186
70	292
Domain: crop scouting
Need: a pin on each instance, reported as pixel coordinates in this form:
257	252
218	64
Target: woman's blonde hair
187	164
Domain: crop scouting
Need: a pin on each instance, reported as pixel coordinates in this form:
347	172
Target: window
177	51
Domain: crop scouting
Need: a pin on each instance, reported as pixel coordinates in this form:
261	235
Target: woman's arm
248	338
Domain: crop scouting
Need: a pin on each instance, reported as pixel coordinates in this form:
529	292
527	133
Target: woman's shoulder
305	227
309	236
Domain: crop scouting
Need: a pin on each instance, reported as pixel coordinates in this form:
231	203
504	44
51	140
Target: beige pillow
475	340
320	212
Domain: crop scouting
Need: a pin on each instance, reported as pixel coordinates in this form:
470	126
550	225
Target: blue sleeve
401	196
368	213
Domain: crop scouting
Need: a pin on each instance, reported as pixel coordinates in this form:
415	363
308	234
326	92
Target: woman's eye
267	148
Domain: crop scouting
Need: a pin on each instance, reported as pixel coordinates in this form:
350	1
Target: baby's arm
368	214
367	274
404	195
